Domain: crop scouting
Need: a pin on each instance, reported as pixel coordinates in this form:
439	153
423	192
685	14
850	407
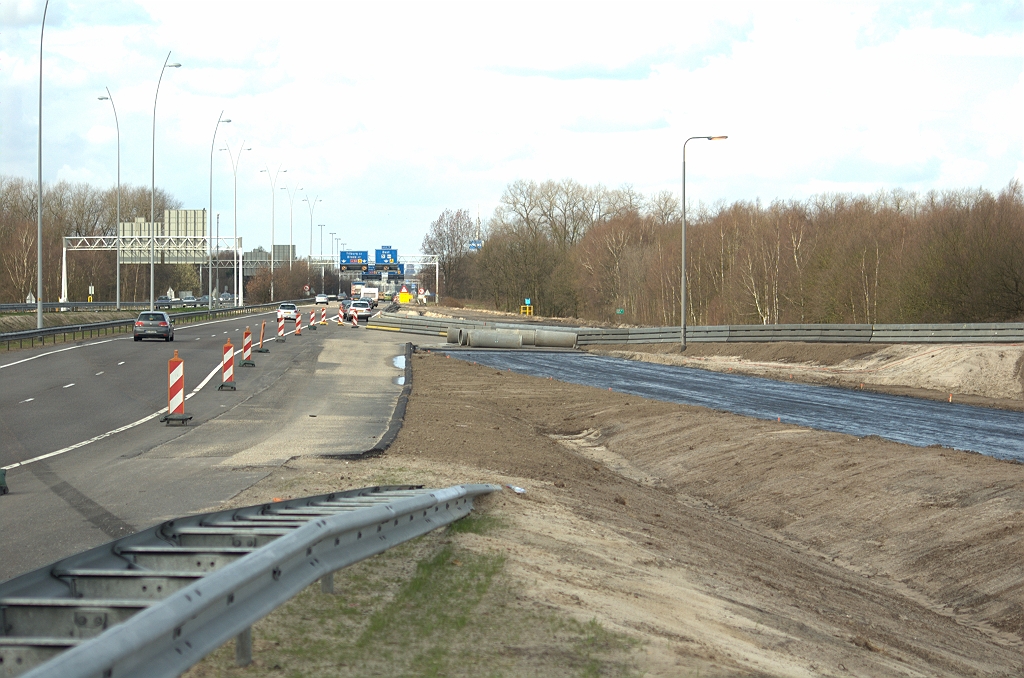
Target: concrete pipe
529	337
463	337
495	339
555	338
454	335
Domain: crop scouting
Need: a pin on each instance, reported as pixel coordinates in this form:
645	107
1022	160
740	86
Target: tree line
614	255
80	209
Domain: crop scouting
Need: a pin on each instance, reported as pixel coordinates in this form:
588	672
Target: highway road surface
88	459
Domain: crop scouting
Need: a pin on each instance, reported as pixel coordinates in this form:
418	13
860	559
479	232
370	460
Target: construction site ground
659	539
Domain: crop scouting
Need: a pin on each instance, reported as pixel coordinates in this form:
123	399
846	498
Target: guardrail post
243	647
327	583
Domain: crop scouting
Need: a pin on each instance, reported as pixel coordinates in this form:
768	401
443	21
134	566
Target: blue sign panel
352	260
386	257
475	245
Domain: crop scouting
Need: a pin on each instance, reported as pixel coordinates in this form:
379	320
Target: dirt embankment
723	545
18	322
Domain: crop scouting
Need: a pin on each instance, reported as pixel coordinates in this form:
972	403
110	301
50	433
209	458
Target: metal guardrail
191	584
111	326
982	333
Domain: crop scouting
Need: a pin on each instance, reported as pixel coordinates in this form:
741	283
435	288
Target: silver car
153	325
288	311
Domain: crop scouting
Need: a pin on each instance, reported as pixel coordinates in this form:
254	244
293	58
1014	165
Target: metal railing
191	584
85	330
982	333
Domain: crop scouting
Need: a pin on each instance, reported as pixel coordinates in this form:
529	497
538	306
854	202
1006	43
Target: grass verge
430	607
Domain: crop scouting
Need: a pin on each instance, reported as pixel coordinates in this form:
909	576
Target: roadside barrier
339	316
176	392
280	326
247	349
158	601
298	324
312	319
228	368
355	317
323	315
263	328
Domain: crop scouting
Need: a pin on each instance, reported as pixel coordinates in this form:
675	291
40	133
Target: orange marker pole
228	368
176	392
263	329
247	349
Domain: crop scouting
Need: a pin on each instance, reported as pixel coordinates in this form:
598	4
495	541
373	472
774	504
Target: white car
322	299
288	311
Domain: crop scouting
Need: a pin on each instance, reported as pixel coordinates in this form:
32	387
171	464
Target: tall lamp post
321	226
209	216
117	224
234	171
311	204
152	188
39	194
333	249
273	187
682	301
291	230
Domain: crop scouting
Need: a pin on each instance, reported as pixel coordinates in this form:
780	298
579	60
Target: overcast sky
393	112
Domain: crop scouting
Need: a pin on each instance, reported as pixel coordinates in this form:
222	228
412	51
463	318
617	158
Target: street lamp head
226	120
173	65
103	98
717	138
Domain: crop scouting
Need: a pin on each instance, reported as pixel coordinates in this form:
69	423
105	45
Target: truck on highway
371	294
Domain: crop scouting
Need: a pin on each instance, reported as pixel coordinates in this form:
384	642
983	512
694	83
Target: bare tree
448	237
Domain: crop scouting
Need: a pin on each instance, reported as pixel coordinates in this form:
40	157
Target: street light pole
682	301
117	225
209	226
273	187
152	189
234	170
291	230
332	250
321	226
39	188
311	204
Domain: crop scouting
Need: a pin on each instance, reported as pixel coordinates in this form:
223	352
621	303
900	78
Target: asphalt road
91	410
913	421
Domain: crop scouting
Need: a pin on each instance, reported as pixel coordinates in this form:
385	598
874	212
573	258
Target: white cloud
392	112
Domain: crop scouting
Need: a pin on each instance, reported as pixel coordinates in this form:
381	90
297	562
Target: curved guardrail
191	584
982	333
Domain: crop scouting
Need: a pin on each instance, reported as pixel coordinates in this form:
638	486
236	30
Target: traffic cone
228	368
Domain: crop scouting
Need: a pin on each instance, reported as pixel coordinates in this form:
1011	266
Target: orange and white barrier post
340	314
280	326
355	317
247	349
263	329
323	315
312	319
298	323
228	368
176	391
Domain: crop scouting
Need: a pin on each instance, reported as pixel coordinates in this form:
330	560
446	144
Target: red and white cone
280	326
312	319
298	324
228	368
340	316
247	349
355	318
176	391
323	315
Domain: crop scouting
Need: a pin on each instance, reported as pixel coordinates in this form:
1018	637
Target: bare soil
721	545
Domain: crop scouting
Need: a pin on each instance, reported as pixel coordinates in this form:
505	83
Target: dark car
164	302
153	325
204	300
187	302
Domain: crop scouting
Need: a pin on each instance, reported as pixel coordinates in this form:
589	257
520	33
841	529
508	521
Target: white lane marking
28	400
84	442
198	338
99	373
121	363
116	430
68	385
59	350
